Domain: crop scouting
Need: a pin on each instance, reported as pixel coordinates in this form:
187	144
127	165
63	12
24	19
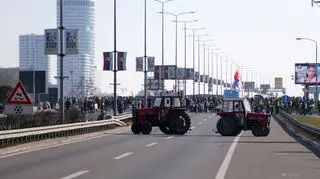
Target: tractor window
227	106
157	102
167	102
176	102
238	106
247	105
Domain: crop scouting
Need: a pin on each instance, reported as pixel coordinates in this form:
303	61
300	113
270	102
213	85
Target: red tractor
236	116
166	113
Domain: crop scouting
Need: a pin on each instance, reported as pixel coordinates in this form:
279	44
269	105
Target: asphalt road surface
200	154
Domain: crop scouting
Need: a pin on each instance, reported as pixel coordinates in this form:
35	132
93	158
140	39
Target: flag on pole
107	61
121	61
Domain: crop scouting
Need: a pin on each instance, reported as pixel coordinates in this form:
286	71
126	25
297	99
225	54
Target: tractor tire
182	121
237	131
259	131
135	128
165	129
265	132
226	126
146	128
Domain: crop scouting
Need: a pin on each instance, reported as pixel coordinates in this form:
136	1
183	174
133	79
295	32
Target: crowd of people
196	103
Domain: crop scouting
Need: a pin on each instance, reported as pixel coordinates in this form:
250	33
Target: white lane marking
210	116
61	144
200	123
170	137
151	144
123	155
79	173
193	127
205	119
225	164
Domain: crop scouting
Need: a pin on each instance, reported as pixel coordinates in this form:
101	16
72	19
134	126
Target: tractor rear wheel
146	128
237	131
180	122
135	128
226	126
165	129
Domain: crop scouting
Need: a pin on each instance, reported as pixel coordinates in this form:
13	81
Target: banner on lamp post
51	42
107	61
189	74
121	61
71	41
151	64
180	74
139	63
196	77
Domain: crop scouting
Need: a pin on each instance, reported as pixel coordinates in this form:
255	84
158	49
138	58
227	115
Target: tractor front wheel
259	131
135	128
227	126
146	128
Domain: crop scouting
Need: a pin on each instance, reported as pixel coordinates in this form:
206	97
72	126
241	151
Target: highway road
201	154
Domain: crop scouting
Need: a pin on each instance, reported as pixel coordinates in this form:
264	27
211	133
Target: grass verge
314	121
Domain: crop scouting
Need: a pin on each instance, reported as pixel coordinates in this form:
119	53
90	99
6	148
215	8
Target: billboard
53	94
196	77
154	84
168	72
249	85
278	83
26	77
306	73
189	74
265	86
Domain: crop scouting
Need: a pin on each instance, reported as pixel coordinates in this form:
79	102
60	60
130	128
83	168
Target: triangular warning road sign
19	95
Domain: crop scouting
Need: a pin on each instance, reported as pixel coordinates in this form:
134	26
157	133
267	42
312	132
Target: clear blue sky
260	34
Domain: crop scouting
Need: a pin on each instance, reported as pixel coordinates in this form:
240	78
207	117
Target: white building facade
79	14
32	57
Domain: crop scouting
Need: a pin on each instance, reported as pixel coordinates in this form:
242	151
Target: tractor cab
236	115
168	113
171	101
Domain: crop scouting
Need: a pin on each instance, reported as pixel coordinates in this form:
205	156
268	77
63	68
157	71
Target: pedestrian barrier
306	128
18	136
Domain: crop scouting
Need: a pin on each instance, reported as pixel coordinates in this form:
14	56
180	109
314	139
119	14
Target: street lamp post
204	62
145	55
115	58
212	69
71	74
194	55
226	87
217	53
34	76
185	50
199	59
162	63
316	43
221	75
176	43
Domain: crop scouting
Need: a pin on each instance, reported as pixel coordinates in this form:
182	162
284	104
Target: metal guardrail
17	136
302	126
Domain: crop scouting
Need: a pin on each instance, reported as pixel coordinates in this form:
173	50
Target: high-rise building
32	57
79	14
